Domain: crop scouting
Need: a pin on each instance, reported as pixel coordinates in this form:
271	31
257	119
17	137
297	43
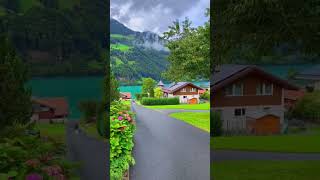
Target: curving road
168	149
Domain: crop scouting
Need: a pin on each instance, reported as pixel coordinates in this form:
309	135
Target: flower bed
122	129
33	158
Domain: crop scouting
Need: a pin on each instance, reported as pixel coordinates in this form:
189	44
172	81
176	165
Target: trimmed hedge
159	101
141	95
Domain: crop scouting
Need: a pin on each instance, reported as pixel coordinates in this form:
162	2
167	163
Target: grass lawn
265	170
200	120
204	106
56	131
308	142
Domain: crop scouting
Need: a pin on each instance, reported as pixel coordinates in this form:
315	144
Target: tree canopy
257	27
15	99
189	47
148	85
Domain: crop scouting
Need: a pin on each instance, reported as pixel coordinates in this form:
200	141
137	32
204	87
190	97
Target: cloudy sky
157	15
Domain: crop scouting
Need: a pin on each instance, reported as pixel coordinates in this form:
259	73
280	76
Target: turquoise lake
76	89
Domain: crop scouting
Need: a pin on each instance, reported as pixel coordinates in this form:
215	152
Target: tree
114	88
158	93
259	26
148	85
189	47
90	110
15	98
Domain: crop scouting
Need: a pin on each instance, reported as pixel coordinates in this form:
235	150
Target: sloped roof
126	94
229	73
293	95
160	83
311	73
179	85
59	104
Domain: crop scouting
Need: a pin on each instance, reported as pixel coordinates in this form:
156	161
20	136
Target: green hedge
159	101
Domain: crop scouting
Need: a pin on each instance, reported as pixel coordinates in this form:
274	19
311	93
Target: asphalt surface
168	149
93	154
222	155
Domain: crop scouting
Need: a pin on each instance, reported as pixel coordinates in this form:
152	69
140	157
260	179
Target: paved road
168	149
221	155
93	154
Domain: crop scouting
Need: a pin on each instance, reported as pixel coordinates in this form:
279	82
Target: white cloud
157	15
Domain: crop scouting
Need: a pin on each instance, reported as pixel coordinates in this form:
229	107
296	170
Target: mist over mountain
136	54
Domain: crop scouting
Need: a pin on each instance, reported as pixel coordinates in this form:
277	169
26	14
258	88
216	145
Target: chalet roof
126	94
59	104
160	83
176	86
293	95
310	74
229	73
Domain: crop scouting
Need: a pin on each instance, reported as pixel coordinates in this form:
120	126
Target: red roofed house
291	97
49	109
187	92
125	95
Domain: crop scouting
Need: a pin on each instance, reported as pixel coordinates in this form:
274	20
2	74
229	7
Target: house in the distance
125	96
311	76
187	92
49	109
248	99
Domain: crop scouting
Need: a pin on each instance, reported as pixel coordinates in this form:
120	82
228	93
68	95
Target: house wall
183	100
46	114
230	121
249	97
188	91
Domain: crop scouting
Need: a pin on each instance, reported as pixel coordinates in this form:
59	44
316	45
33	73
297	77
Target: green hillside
130	61
57	37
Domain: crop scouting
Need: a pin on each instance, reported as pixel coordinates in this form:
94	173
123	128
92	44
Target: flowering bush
32	158
122	128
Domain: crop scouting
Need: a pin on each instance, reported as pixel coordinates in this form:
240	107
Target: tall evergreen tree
15	99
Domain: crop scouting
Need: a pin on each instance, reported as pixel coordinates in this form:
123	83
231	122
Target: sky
157	15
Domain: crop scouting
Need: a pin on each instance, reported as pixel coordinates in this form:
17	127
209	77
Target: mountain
57	37
135	54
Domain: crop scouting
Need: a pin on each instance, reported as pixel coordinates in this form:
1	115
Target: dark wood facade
250	97
188	91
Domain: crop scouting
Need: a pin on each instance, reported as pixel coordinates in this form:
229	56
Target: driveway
93	154
168	149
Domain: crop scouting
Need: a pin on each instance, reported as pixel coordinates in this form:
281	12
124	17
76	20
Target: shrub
140	96
159	101
25	156
215	124
122	128
308	107
205	96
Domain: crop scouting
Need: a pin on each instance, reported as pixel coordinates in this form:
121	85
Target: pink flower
120	118
129	118
34	176
54	170
33	163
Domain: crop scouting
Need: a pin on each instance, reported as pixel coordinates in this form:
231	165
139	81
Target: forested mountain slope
136	54
57	37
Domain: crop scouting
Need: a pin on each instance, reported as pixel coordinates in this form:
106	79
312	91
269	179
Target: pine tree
15	98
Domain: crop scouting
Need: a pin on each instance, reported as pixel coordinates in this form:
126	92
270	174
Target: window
183	90
184	97
240	112
234	90
193	89
264	89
